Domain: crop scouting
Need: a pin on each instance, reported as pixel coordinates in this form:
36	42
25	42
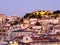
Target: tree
38	24
15	23
56	12
26	16
7	19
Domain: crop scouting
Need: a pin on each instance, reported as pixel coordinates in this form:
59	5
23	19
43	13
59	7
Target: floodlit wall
46	43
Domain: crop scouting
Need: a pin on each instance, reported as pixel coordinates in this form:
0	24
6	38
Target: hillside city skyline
29	22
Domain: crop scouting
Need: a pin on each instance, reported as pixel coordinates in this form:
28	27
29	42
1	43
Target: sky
21	7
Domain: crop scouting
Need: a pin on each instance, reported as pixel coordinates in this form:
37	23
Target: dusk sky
21	7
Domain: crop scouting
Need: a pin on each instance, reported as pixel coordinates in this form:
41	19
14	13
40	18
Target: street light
13	43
